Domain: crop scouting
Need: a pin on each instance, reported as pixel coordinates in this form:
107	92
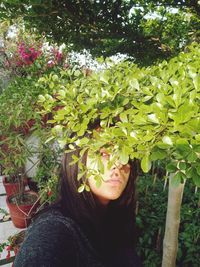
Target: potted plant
27	59
22	206
12	183
21	203
12	161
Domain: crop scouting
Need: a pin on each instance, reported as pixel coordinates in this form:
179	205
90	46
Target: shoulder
51	215
52	222
46	235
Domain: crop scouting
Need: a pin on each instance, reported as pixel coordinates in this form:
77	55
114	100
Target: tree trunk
170	243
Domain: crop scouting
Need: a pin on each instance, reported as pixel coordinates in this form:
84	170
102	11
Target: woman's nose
117	165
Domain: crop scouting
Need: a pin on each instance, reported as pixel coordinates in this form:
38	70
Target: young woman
88	229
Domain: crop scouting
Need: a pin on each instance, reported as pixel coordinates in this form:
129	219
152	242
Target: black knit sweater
54	240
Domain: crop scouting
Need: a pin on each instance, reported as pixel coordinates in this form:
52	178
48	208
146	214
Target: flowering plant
27	55
12	244
32	55
3	246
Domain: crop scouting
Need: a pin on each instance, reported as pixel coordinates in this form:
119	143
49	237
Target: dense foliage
149	113
152	197
146	30
27	57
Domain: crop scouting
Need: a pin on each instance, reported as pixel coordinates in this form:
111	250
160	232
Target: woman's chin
110	196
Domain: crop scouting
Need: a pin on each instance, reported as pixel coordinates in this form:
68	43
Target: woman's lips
114	181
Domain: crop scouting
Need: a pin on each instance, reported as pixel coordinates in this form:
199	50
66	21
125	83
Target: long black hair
116	225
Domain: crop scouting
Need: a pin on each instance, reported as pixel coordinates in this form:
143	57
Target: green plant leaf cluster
48	170
150	222
16	113
145	113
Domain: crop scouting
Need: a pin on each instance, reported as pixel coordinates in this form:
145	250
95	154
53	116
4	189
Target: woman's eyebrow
103	150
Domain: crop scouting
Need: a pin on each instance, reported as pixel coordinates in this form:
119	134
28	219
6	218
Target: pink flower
58	56
50	63
28	54
8	248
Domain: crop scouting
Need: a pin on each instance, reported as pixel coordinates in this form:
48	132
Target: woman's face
114	179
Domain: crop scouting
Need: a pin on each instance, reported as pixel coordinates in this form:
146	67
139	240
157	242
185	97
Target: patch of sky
152	15
157	15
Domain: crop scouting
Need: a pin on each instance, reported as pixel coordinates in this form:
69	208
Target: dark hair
86	210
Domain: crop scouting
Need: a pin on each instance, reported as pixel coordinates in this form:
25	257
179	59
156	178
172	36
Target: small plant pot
13	188
21	213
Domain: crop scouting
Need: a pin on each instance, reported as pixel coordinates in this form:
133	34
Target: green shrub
152	198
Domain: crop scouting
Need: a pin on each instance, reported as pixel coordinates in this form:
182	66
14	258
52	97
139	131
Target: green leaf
51	121
182	165
49	139
192	157
134	83
153	118
100	165
196	148
146	163
81	188
87	188
71	146
189	172
171	167
98	180
176	179
196	178
125	101
82	152
123	117
104	78
124	155
158	154
41	98
198	169
184	113
163	146
84	141
167	140
51	85
80	175
75	160
55	77
196	81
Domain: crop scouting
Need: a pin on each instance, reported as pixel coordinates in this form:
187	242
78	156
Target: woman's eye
104	154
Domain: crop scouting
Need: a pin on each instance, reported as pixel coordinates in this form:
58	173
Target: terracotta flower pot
21	214
12	188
